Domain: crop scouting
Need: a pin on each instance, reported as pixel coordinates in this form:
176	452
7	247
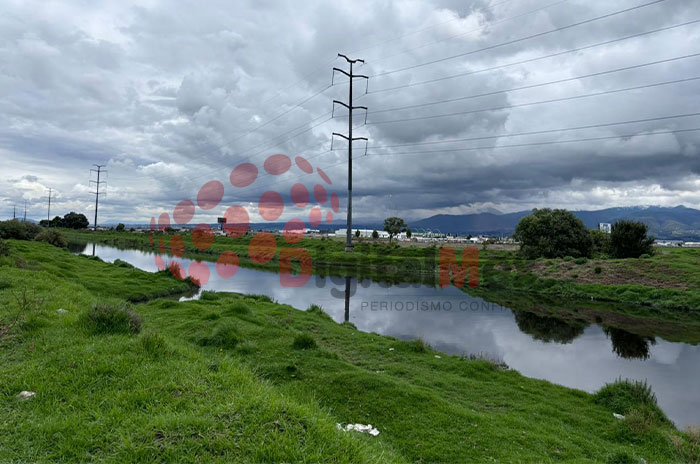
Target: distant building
605	227
363	233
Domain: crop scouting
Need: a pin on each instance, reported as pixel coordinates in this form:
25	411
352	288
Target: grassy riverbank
666	285
234	378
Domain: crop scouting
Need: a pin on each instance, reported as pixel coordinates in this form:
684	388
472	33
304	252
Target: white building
365	233
605	227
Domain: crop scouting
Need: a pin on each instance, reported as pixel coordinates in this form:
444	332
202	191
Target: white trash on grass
618	416
25	395
362	428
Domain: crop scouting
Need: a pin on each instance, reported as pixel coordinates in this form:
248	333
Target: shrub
645	256
19	230
601	242
120	227
598	270
628	239
580	261
223	336
4	248
553	234
52	237
108	319
304	342
625	396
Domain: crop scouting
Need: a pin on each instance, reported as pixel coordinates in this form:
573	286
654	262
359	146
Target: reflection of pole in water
347	299
93	249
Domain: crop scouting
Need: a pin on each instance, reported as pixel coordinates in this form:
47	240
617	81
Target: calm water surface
583	357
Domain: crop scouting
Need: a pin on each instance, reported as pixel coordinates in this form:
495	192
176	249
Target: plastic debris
391	349
61	311
438	356
362	428
618	416
25	395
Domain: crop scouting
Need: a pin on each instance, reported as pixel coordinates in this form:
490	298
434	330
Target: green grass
246	394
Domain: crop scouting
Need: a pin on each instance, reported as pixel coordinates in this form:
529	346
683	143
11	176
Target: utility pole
48	214
14	211
25	211
349	138
97	189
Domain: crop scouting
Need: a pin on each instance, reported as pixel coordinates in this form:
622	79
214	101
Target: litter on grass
618	416
362	428
25	395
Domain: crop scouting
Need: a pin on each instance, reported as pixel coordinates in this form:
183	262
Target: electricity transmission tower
349	138
25	211
97	189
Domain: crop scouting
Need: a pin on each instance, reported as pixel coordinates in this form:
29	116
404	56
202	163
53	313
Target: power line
552	100
540	84
419	31
539	132
530	60
532	144
461	34
521	39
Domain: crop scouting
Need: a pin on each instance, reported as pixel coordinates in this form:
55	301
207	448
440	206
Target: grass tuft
238	308
109	319
631	397
208	295
304	342
154	344
224	335
621	457
418	346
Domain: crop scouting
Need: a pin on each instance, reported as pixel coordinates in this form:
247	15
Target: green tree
601	241
553	233
357	233
628	239
375	234
74	220
409	234
394	226
120	227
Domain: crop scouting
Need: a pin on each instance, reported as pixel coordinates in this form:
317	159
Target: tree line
557	233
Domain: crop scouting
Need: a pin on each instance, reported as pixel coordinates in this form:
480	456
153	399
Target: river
582	356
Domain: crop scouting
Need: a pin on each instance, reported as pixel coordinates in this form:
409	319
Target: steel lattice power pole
97	189
349	138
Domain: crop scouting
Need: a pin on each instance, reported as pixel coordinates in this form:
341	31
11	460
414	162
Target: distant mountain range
678	223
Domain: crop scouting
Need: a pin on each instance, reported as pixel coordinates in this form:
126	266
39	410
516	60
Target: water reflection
583	351
548	329
628	345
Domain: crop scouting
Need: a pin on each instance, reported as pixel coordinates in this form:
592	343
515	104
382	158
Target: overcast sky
171	95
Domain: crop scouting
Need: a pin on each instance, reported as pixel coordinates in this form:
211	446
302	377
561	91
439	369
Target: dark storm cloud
171	96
